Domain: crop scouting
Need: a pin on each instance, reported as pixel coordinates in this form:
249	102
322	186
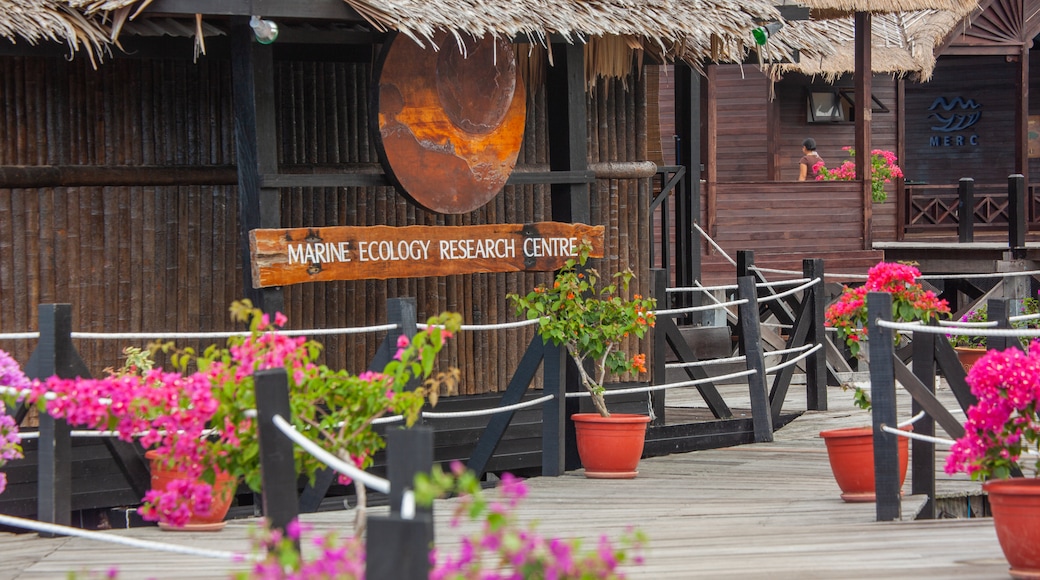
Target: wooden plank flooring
768	510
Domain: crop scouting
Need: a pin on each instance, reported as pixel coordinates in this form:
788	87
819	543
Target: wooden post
568	150
816	364
751	346
966	210
277	467
745	261
54	355
397	548
923	452
688	244
554	412
658	374
256	150
998	310
883	405
403	313
408	453
863	77
1017	215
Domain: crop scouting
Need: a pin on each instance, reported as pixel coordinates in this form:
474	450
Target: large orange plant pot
851	453
223	495
610	447
1015	504
968	356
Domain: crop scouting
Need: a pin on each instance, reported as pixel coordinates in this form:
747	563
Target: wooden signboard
291	256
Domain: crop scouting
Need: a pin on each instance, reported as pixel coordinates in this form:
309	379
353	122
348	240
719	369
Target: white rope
19	335
371	481
189	335
123	540
700	288
390	419
967	276
1011	332
489	411
960	324
793	361
912	420
88	433
706	363
714	245
789	292
846	276
918	436
493	326
674	311
775	271
775	325
787	350
652	388
1023	317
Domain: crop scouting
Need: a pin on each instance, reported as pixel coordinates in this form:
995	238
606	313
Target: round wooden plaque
450	123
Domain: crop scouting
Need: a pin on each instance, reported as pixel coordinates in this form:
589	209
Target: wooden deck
763	510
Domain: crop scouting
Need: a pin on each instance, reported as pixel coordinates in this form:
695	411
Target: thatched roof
694	30
823	9
901	43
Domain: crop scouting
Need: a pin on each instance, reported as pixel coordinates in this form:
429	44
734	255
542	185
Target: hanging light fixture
265	31
762	33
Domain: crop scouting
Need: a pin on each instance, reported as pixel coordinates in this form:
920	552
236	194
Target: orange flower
570	296
639	362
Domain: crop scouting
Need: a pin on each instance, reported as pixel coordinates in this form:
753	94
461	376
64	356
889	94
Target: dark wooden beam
863	75
311	9
688	101
568	150
1022	115
252	72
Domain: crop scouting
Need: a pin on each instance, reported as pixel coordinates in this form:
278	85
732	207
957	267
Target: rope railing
716	306
47	528
795	361
652	388
790	291
488	411
706	363
952	330
978	275
19	335
370	481
717	247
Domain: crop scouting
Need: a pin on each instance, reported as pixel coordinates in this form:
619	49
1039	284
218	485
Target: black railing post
402	312
745	261
923	452
751	347
883	405
398	544
277	468
816	363
658	372
998	310
1017	214
54	355
554	412
966	210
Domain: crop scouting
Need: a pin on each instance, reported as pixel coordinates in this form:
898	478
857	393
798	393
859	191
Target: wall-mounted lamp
762	33
264	30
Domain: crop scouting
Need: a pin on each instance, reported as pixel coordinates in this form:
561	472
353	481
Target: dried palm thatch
901	43
34	21
825	9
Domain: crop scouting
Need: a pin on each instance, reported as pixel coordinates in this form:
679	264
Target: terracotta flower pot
1015	504
610	447
969	355
223	494
851	453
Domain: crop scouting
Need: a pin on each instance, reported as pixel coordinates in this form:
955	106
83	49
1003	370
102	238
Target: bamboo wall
143	259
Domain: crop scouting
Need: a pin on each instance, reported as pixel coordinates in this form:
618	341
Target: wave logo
955	115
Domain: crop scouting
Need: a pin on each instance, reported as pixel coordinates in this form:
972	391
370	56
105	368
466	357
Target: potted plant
970	348
198	419
883	169
1002	427
592	322
851	450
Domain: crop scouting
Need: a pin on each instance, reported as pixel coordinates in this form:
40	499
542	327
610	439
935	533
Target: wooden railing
935	208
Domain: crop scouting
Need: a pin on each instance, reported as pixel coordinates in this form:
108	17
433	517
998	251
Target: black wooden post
751	346
568	150
54	355
398	549
998	310
923	452
966	210
689	92
816	364
883	405
256	151
408	452
658	373
403	313
745	261
554	412
398	546
277	467
1017	214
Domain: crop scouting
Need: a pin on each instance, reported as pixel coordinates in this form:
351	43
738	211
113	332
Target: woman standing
809	159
